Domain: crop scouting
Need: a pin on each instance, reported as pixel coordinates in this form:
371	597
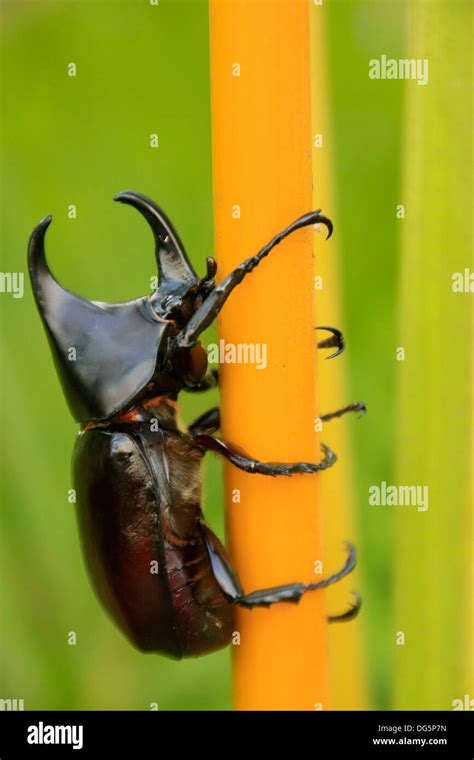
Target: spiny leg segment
293	592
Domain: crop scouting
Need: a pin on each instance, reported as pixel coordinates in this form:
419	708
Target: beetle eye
197	363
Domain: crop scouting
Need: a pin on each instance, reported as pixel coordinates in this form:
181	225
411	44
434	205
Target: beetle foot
349	614
357	406
335	341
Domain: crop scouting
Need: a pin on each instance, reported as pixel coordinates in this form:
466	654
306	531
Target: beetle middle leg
210	380
357	406
209	422
202	428
254	466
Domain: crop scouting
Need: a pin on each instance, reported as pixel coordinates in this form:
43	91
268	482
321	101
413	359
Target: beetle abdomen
142	540
120	528
204	615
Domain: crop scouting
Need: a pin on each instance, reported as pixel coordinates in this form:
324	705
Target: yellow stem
260	78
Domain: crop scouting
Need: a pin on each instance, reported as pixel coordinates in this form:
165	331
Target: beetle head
107	353
180	291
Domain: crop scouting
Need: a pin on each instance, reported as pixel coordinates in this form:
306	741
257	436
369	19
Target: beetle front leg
210	380
209	422
209	310
254	466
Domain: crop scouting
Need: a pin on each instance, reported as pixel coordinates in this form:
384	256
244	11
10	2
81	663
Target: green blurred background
144	69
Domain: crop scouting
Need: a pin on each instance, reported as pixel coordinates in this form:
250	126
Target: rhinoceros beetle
160	571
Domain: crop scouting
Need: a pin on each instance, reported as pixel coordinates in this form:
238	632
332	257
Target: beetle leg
349	614
253	466
210	380
294	591
209	422
225	575
211	307
358	406
229	582
335	341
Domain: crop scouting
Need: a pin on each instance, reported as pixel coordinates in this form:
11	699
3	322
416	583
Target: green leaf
435	379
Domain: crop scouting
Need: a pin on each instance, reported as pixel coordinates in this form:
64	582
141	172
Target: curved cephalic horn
176	273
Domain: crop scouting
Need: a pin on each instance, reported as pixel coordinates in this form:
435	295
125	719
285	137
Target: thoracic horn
39	270
104	353
176	273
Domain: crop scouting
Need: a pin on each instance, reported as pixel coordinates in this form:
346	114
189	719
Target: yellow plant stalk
348	687
260	76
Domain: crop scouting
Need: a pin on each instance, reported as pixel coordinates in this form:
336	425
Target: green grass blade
435	380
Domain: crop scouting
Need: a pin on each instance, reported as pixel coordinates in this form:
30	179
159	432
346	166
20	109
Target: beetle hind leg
293	592
229	583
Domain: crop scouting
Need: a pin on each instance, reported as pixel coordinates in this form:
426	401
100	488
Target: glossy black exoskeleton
160	571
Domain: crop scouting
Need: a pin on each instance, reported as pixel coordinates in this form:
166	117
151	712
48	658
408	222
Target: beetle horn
104	353
39	269
176	273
